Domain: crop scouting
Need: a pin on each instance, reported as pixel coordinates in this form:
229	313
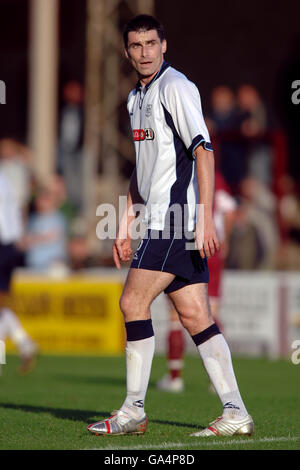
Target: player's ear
164	46
126	53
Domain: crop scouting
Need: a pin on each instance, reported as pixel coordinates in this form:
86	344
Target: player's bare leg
193	306
141	288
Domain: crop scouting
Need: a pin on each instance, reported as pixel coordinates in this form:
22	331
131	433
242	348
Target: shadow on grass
174	423
72	415
83	415
69	378
98	380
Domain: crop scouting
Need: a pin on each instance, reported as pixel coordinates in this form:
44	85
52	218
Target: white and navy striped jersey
11	226
167	124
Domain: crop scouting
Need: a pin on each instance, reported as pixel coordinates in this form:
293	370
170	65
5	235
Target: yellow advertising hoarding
71	316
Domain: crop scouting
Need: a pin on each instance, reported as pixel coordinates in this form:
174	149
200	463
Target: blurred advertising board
260	312
75	315
252	313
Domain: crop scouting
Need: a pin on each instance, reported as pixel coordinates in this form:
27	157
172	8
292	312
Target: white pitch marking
167	445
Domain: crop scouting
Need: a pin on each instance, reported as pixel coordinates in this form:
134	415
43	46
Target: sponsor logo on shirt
143	134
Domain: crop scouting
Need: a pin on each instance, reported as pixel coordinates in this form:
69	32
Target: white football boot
119	423
224	426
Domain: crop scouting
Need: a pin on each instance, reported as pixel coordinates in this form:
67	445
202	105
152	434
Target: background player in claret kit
11	232
224	213
171	144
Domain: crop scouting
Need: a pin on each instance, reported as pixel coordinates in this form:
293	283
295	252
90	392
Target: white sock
216	358
139	356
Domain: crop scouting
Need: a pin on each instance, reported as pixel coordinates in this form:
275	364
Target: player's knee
187	317
125	304
194	315
132	308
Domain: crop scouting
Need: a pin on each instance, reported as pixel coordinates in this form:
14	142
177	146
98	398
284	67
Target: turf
51	407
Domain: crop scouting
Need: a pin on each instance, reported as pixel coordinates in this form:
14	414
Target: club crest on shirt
148	110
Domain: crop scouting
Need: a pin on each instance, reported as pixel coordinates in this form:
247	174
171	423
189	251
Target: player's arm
206	237
122	247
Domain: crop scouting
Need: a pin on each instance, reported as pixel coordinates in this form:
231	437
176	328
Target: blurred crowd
265	233
53	235
266	228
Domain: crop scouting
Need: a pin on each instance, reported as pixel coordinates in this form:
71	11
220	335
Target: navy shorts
171	255
10	258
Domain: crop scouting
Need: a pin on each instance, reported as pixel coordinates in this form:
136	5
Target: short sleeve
182	104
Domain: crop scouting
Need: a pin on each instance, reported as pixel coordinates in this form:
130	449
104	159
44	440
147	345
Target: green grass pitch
51	407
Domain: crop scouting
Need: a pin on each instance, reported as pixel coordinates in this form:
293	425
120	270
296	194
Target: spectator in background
78	248
57	186
79	256
245	248
15	165
224	115
255	238
250	104
289	221
224	125
46	239
70	145
253	127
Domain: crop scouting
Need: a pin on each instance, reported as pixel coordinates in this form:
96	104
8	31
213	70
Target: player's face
145	52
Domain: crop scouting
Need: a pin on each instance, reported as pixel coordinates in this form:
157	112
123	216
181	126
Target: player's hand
207	240
122	251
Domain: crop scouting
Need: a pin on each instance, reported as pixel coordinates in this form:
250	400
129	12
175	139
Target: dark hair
143	23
